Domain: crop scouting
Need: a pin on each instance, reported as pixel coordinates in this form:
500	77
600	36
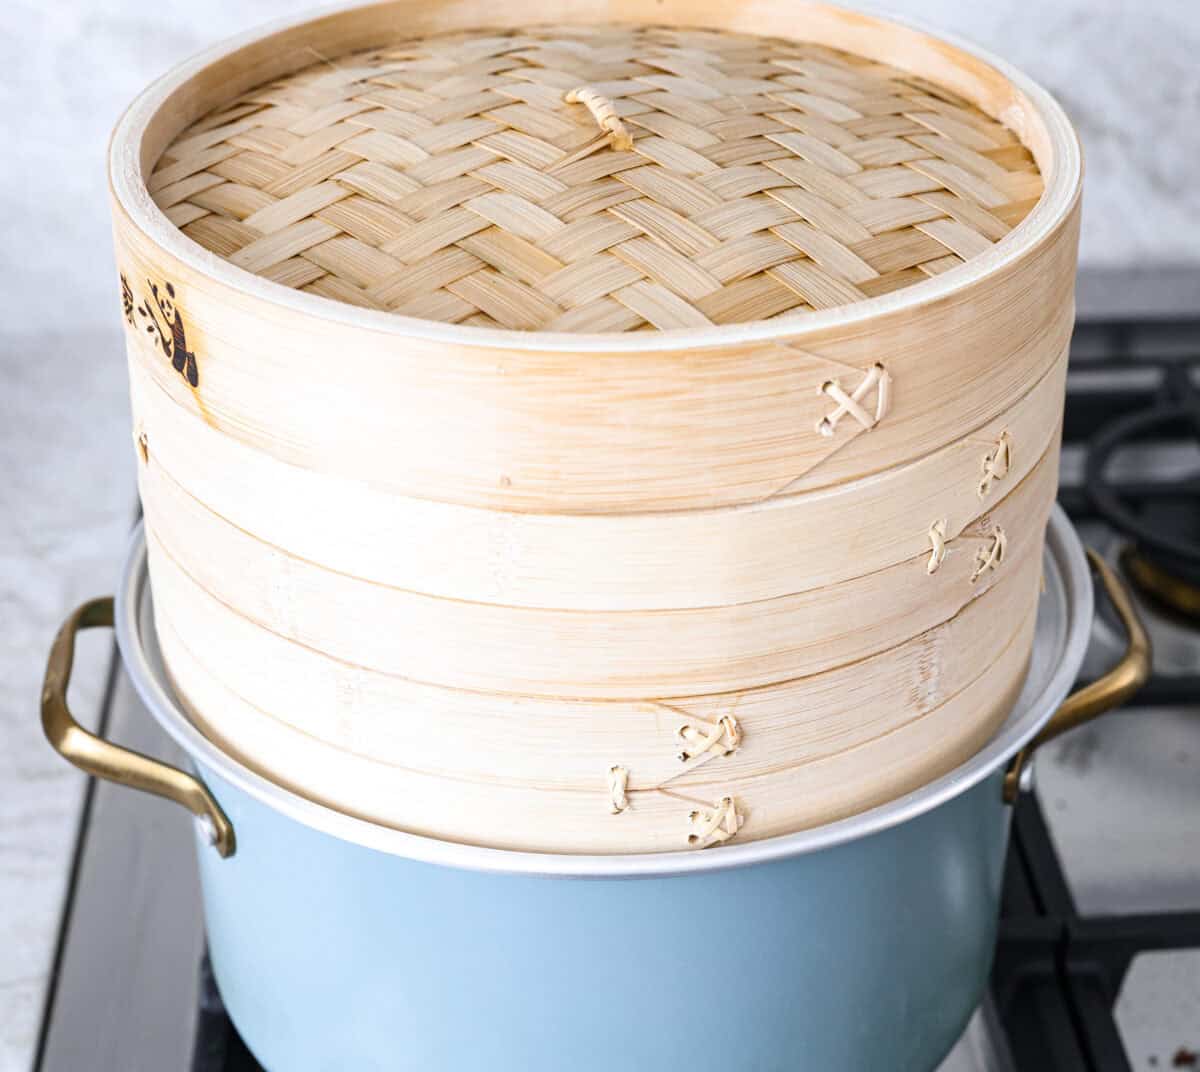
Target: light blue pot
869	954
339	944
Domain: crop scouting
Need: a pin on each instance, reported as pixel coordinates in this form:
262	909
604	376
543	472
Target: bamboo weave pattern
448	178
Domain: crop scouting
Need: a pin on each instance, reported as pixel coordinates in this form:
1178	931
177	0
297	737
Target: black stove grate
1129	372
1136	385
219	1048
1057	974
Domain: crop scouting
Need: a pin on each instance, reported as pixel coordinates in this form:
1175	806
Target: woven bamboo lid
594	179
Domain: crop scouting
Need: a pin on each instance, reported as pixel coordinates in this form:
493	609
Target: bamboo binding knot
991	555
996	464
605	114
877	379
618	783
937	540
716	825
142	442
726	735
987	557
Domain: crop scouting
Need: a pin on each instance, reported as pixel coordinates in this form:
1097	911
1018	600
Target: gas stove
1097	966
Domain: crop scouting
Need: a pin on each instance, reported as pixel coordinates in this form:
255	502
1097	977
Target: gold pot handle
98	757
1102	695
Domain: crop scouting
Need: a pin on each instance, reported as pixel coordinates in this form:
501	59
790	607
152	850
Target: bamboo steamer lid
522	407
597	179
862	230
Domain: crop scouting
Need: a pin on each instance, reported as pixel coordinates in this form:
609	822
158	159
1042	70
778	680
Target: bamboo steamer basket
592	654
662	560
371	740
600	437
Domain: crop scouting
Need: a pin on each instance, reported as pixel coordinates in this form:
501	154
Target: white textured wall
1127	73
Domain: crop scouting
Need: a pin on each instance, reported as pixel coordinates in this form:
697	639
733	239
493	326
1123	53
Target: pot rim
1065	611
1060	161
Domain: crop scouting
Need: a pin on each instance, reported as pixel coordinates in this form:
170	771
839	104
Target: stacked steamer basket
597	437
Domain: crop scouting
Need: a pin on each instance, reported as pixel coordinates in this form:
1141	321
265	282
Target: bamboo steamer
520	408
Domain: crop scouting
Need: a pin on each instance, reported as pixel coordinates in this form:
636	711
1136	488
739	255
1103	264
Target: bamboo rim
994	86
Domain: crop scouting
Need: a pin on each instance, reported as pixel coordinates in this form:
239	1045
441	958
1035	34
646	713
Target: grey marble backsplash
1126	72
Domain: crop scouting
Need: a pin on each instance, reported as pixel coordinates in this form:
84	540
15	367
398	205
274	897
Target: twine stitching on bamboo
726	734
618	782
878	378
937	538
996	464
722	738
605	114
726	728
715	826
989	557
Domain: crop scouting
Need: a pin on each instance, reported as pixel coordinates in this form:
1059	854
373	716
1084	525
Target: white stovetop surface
1126	74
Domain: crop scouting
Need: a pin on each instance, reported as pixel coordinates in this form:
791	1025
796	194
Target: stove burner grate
1161	515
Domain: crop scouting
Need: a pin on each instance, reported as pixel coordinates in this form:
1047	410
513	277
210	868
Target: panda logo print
163	322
